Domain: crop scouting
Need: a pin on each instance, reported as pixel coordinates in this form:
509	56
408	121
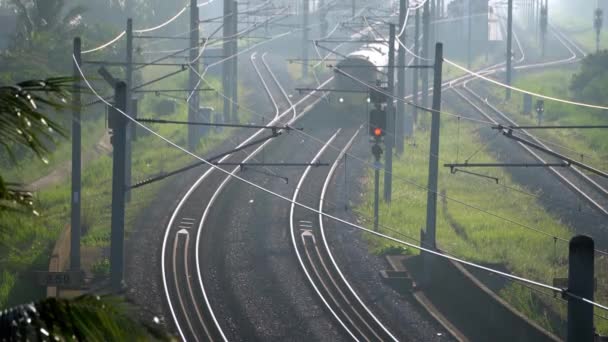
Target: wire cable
550	98
359	227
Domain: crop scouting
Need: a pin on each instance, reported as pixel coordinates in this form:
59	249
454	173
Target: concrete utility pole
389	139
404	125
235	60
129	105
432	22
581	284
544	21
426	41
119	126
426	20
509	46
129	74
323	18
76	162
353	8
536	19
193	106
306	9
469	34
415	70
226	66
431	203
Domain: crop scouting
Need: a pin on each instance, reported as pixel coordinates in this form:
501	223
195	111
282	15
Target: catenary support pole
431	204
119	126
235	74
432	24
509	46
353	8
426	18
416	70
305	13
129	72
193	105
581	284
129	105
323	18
389	139
469	34
76	163
404	126
226	66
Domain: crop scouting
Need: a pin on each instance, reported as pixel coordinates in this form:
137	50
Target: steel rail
324	238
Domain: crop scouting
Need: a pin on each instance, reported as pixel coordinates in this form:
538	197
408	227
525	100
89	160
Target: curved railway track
184	285
582	185
314	253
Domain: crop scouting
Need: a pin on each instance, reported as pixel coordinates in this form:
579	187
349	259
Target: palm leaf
90	318
21	121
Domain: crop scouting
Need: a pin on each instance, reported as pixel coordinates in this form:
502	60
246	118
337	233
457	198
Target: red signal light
377	132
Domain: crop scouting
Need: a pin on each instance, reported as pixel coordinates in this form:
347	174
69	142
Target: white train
362	67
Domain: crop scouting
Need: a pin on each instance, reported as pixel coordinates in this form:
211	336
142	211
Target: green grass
488	239
588	145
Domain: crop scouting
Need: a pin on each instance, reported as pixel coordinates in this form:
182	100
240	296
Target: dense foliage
590	84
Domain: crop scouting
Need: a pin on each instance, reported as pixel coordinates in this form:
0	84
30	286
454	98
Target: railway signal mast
540	111
598	20
377	128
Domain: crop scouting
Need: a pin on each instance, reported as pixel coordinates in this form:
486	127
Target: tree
87	318
23	123
47	16
590	84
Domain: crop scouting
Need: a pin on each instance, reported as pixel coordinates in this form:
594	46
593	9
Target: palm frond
13	197
86	318
22	122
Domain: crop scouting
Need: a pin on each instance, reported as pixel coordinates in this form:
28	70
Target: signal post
377	127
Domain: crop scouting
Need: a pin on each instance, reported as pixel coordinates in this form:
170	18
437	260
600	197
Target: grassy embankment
469	233
589	145
28	245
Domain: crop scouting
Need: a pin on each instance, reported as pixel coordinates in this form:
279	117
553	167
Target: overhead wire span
337	219
421	187
123	33
546	97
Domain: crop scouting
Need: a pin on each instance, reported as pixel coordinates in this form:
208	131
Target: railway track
582	185
315	256
182	271
185	289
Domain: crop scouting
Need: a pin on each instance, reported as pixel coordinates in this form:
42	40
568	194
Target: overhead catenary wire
146	30
422	187
359	227
546	97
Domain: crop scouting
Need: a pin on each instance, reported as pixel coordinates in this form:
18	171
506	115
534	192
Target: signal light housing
377	121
